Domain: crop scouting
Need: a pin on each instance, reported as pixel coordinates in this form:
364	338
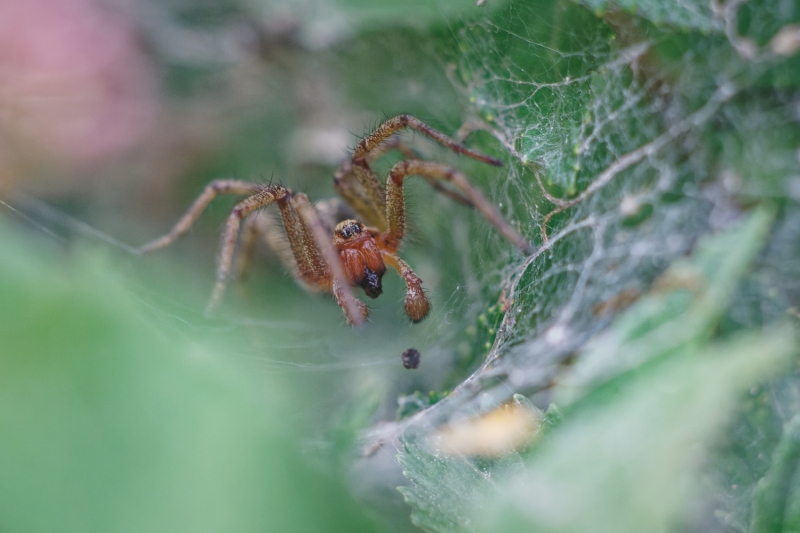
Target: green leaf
445	493
655	391
753	471
631	465
688	303
774	507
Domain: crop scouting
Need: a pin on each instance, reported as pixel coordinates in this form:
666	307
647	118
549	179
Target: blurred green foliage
111	422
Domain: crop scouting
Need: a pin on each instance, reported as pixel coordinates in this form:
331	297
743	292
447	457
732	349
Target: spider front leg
360	187
264	197
313	261
213	189
317	264
395	124
355	311
396	143
395	201
263	226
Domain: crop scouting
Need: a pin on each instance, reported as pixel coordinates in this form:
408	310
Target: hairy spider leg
209	193
264	226
359	186
348	187
416	303
395	124
312	250
318	264
396	143
264	197
395	201
374	192
352	190
392	143
368	197
355	311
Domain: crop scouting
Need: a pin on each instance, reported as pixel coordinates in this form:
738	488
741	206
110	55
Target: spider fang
371	283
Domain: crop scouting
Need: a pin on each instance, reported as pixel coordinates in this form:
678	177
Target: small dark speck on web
411	358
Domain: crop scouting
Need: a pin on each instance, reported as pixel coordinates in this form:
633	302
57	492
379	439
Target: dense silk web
586	123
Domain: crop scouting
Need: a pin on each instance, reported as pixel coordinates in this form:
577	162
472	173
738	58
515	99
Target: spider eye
350	229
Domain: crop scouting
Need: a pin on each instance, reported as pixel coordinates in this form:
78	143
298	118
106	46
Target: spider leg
312	269
392	143
318	263
395	124
264	225
352	184
395	201
368	197
264	197
209	193
349	188
313	259
416	303
396	143
359	186
355	311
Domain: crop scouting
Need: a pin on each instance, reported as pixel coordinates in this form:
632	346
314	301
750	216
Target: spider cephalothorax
354	255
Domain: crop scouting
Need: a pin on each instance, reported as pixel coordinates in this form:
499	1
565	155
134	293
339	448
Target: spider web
583	119
614	176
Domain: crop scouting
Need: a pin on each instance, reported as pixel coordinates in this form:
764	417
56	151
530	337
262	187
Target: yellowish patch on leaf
496	433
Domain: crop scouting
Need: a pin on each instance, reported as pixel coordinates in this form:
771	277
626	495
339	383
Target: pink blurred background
76	88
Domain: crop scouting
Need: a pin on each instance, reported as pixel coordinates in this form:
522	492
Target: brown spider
358	254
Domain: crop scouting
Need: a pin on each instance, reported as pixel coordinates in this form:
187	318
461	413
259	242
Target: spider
335	247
